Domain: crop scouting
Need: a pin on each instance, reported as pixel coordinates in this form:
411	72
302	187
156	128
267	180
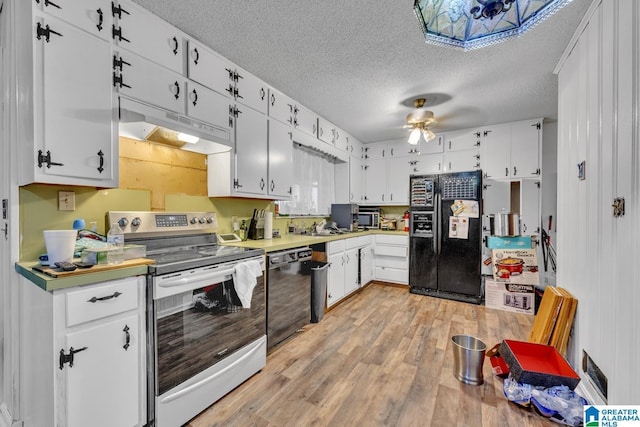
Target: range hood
149	123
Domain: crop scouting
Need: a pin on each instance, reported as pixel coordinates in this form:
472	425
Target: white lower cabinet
391	258
83	353
342	278
366	262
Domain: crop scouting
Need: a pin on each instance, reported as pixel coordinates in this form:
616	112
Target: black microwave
369	219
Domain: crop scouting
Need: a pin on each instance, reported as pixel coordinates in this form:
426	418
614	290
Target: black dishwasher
288	293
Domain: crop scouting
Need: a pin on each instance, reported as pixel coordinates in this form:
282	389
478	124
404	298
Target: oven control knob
135	221
202	220
194	220
122	222
209	220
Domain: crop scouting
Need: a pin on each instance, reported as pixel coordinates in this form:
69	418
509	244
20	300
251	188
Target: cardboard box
515	266
509	296
519	242
537	364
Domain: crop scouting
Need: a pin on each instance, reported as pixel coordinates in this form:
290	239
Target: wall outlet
66	201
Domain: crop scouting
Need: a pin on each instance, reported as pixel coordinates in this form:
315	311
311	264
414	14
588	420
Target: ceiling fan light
414	137
428	135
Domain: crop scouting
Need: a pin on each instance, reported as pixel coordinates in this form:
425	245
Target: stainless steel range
206	316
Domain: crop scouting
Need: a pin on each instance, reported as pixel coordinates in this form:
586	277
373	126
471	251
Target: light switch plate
66	201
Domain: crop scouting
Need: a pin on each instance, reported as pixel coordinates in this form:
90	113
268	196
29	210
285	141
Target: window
313	189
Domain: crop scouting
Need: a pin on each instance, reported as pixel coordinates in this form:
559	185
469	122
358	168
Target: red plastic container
538	364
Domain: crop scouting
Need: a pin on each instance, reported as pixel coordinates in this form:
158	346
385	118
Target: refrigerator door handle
438	212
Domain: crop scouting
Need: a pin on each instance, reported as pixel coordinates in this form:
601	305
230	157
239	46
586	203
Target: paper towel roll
268	225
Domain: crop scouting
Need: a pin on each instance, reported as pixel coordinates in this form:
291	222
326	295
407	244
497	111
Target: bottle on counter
115	244
243	233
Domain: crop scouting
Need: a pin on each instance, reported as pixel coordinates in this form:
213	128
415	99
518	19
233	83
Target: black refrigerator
445	235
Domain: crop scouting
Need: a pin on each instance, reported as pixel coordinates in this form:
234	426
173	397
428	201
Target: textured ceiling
360	64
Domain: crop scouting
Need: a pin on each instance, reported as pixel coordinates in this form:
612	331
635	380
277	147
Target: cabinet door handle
195	97
261	183
506	171
101	166
262	93
175	45
96	299
273	185
515	171
197	56
127	337
100	19
273	100
177	86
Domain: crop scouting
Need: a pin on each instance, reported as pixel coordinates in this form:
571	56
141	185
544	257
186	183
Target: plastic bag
559	403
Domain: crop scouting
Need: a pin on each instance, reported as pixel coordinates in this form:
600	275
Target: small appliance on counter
369	218
345	215
256	226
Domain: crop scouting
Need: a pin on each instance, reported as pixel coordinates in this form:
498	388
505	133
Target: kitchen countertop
49	283
287	241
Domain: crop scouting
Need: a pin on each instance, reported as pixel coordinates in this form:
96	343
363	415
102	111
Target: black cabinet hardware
176	45
108	297
46	158
197	58
48	3
119	62
118	10
127	339
116	32
118	81
101	167
195	97
177	85
45	31
68	358
100	20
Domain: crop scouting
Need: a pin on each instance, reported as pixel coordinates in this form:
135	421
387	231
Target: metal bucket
505	224
468	359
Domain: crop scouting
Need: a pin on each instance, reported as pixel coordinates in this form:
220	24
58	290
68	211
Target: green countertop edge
51	284
288	241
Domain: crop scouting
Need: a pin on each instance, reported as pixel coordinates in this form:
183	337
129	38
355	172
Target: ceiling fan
420	123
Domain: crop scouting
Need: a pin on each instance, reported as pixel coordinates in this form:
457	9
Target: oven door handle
183	282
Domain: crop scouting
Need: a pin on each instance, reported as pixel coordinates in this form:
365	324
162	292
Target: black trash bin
318	289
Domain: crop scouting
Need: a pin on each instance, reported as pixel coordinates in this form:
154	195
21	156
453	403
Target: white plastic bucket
468	359
60	245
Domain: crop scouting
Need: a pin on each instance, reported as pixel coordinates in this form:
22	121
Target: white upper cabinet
436	145
209	106
325	131
512	150
74	140
209	69
526	140
462	140
280	153
142	32
280	107
375	181
496	152
138	78
426	164
461	161
355	179
251	152
305	120
92	16
399	169
250	90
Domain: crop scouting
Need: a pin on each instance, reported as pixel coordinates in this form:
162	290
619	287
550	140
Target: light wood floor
381	358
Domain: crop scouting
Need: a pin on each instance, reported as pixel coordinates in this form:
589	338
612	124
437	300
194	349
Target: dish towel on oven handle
244	280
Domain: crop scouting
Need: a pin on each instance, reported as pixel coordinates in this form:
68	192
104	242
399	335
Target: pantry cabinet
69	75
140	31
84	354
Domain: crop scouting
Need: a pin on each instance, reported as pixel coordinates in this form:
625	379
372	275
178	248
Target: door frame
9	245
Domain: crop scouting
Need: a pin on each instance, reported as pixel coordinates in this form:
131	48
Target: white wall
599	97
